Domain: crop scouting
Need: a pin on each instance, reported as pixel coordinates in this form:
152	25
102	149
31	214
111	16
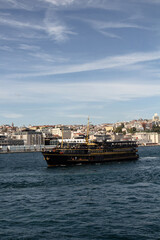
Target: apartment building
30	137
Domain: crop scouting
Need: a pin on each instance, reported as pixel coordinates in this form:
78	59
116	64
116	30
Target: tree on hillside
132	130
155	128
144	125
119	128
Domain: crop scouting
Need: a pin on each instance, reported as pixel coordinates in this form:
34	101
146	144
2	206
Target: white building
155	120
155	117
147	138
117	136
58	131
30	137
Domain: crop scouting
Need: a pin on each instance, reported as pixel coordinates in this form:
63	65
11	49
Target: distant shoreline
30	149
149	145
11	152
24	148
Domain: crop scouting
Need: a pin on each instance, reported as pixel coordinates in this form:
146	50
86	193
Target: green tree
119	128
132	130
155	128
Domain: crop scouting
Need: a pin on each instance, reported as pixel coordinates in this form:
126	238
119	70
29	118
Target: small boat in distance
90	152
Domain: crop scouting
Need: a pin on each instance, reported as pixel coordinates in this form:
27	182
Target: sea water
117	200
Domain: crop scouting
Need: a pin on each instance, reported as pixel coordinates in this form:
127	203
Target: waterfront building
5	141
30	137
147	138
77	135
155	117
100	137
155	120
65	131
117	137
109	128
127	137
51	140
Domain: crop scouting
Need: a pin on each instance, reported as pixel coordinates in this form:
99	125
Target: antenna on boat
87	137
62	139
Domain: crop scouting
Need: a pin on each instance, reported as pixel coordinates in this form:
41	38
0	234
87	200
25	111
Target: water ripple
111	201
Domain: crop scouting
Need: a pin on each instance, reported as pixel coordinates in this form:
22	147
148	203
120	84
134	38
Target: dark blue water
111	201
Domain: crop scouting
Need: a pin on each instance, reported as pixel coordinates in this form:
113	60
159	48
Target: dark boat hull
57	159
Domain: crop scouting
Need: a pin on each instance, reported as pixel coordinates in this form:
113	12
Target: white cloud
19	24
11	115
29	47
82	116
58	31
6	48
43	56
77	92
102	26
151	1
17	4
55	29
31	5
116	5
60	2
114	62
108	34
35	52
107	25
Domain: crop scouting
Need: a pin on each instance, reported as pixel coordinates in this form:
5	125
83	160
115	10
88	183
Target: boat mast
62	139
87	137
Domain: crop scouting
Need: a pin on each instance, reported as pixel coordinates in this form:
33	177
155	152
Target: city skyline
154	120
65	60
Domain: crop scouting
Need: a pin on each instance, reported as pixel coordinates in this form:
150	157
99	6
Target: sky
64	60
